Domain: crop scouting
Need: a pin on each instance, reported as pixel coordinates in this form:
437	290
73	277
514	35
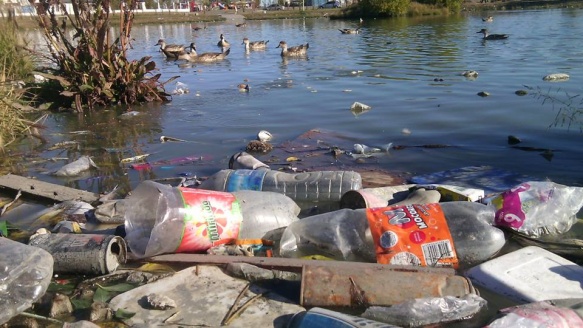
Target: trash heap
251	246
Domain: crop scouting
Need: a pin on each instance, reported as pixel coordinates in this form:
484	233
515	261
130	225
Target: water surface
408	70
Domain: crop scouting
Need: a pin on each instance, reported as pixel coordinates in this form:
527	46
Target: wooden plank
287	264
45	189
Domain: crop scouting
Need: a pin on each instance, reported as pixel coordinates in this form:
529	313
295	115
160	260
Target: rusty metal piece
381	285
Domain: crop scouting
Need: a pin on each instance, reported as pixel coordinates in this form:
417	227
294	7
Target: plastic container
530	274
325	186
164	219
346	235
83	253
319	317
25	274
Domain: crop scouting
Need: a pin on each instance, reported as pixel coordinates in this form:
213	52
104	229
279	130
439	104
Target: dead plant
90	69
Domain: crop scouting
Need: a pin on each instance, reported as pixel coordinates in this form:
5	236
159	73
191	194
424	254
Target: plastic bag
540	314
538	208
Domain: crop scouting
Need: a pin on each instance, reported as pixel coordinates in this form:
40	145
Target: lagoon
408	70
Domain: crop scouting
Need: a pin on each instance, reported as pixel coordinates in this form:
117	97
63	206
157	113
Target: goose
168	48
182	54
488	19
223	43
207	57
488	36
296	51
254	45
349	30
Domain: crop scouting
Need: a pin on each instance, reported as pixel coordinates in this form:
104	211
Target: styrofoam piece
530	274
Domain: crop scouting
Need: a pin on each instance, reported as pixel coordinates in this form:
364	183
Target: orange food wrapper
412	235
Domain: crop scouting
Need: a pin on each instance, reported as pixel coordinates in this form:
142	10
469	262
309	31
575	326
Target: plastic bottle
325	186
346	235
164	219
25	274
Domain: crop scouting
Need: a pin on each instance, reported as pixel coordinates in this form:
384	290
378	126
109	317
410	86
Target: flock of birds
189	53
176	51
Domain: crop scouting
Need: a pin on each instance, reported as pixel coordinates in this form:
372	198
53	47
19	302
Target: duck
254	45
169	48
488	36
223	43
198	28
207	57
182	54
243	87
349	30
241	24
488	19
296	51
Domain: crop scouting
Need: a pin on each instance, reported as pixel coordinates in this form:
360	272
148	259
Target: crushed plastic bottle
164	219
25	274
325	186
346	235
426	311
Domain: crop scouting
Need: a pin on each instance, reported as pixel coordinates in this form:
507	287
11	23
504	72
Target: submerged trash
83	164
556	77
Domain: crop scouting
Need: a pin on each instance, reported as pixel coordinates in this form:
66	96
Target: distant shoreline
169	17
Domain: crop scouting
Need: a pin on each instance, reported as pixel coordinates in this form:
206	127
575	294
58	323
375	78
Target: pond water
408	70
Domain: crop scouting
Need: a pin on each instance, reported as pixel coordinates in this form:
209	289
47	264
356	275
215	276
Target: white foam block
530	274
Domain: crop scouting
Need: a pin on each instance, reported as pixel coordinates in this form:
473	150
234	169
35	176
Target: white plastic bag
538	208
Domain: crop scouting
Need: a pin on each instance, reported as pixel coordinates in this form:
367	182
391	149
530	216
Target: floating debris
134	158
166	139
75	168
264	136
180	89
359	108
470	74
556	77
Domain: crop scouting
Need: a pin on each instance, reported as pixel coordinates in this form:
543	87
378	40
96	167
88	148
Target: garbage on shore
245	247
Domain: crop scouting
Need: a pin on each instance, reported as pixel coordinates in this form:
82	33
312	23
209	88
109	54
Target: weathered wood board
44	189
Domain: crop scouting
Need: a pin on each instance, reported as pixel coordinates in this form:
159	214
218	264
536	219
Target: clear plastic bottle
325	186
164	219
346	235
25	274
